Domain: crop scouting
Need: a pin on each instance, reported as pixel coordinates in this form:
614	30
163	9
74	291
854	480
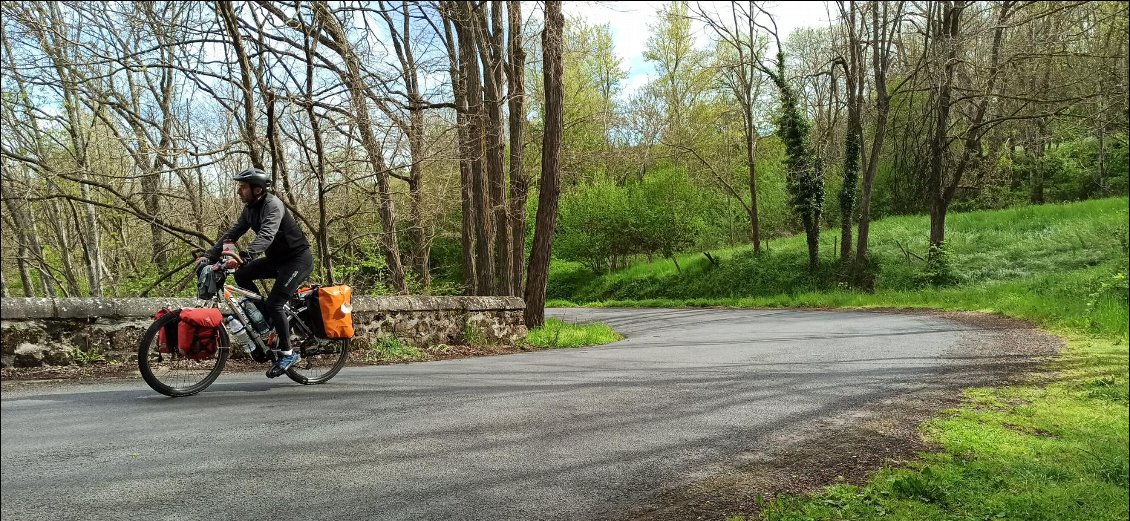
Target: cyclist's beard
252	197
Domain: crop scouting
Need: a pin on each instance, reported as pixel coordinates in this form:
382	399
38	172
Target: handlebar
221	264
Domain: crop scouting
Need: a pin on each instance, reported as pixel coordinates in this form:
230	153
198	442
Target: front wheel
321	360
169	372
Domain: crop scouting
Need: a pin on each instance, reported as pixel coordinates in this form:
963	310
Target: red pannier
198	334
167	336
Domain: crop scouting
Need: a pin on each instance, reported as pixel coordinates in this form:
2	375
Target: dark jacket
276	232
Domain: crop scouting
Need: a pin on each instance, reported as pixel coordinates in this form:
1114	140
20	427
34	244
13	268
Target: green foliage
805	173
557	333
446	261
772	197
850	172
592	75
91	356
938	271
392	349
1070	170
365	266
667	211
604	221
473	336
1112	289
566	278
589	222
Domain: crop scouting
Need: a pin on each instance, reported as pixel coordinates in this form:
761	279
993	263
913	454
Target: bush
660	215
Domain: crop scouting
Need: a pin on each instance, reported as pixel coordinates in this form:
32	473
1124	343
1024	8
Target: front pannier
198	333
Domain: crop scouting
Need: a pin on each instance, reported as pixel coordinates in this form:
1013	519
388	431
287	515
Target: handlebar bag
199	332
208	281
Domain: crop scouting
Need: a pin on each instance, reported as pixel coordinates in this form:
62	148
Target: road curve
563	434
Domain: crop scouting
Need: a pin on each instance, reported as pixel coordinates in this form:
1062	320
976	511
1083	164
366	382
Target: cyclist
280	251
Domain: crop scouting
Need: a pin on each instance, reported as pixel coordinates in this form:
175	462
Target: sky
629	22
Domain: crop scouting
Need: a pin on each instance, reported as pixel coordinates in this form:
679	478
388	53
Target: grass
1056	451
92	356
391	349
557	333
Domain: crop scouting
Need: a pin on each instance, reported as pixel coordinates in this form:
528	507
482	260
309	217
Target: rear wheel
321	358
170	373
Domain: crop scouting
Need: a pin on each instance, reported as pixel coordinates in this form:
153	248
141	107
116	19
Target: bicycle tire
310	369
149	355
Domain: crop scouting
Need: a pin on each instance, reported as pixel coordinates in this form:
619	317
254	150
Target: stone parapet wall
61	331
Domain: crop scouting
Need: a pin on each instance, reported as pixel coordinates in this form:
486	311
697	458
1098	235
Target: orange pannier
335	307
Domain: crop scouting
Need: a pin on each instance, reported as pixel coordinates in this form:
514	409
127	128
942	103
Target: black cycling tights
288	275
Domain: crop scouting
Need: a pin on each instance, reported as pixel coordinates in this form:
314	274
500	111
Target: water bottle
239	334
258	321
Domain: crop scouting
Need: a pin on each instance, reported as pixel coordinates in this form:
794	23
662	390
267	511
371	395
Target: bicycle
170	372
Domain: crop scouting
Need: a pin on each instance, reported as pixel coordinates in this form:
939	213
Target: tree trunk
25	272
466	152
852	147
418	233
92	243
322	234
197	199
519	185
546	220
853	76
57	223
879	61
483	225
1036	191
150	187
28	243
812	238
421	250
971	152
751	164
490	52
947	36
1100	182
882	109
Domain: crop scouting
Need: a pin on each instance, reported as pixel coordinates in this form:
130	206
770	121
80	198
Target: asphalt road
566	434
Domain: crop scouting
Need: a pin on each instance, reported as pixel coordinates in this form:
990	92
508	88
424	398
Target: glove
247	256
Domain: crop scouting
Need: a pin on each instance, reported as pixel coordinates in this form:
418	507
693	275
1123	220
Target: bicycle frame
237	311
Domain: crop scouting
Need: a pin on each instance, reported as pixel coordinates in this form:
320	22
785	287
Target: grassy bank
558	334
1055	451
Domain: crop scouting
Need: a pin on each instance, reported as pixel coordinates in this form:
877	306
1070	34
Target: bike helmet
254	176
